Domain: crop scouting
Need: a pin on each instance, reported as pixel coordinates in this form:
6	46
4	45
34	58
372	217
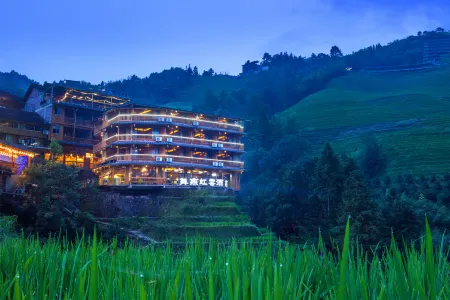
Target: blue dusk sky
97	40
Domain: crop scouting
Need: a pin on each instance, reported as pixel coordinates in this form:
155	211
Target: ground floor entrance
167	176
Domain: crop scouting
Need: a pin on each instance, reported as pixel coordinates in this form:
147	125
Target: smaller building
71	108
13	160
22	128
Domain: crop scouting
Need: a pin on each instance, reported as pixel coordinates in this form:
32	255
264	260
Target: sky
98	40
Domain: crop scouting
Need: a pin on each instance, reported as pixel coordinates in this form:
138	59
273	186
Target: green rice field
92	269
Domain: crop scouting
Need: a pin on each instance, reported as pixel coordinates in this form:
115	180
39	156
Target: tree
326	183
358	204
266	59
189	70
56	150
419	33
195	71
335	52
210	72
56	192
440	29
374	160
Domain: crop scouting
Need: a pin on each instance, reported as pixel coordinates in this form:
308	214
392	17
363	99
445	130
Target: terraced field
408	112
218	218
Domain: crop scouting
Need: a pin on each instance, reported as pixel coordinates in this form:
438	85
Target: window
58	111
56	129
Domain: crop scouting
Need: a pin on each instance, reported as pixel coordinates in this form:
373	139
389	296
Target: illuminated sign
204	182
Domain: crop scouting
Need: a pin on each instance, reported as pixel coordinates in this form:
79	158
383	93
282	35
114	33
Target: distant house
252	67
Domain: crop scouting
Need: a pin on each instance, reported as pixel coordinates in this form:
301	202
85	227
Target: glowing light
166	135
173	156
174	117
12	151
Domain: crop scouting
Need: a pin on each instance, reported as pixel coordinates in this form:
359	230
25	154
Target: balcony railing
78	140
165	138
21	132
169	119
173	159
72	122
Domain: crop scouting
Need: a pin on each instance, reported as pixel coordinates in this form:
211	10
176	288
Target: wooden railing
148	180
72	122
21	132
151	138
7	165
78	140
174	119
175	160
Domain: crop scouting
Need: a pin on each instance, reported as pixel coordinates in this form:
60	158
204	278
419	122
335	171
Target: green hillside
408	112
195	93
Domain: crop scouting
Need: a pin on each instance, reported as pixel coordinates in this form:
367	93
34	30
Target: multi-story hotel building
142	145
71	108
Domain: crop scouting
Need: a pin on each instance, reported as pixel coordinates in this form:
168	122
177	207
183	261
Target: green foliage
359	205
56	192
7	225
56	150
212	270
374	160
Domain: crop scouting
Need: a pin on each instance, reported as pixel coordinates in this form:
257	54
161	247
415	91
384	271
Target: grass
58	269
408	112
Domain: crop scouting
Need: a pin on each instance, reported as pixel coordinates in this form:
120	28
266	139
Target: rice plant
93	269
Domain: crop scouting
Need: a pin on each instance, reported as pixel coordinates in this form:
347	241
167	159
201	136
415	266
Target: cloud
317	28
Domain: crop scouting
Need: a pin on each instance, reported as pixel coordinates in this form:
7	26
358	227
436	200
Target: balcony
72	122
180	140
21	132
76	140
167	119
8	166
165	159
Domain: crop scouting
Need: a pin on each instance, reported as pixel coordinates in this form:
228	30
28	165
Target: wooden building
13	160
71	111
145	146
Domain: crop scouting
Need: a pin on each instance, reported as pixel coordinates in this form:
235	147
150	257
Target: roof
17	147
9	100
21	116
132	104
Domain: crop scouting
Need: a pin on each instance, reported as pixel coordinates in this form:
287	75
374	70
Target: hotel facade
156	146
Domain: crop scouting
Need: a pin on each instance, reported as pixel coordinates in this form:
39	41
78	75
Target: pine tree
327	182
364	212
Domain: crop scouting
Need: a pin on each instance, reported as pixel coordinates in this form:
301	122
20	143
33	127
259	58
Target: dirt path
132	233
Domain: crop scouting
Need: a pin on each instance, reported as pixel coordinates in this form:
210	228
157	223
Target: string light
12	151
173	156
166	135
174	117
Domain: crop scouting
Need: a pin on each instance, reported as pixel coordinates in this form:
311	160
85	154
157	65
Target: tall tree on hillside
335	51
189	70
326	183
374	160
266	59
195	71
209	72
358	204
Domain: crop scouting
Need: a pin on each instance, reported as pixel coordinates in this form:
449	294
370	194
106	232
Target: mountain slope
408	112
